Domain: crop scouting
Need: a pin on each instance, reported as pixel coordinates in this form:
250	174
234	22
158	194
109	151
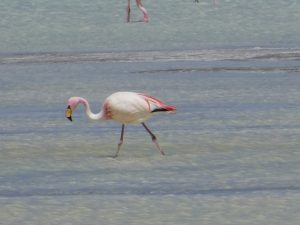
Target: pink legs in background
128	12
140	6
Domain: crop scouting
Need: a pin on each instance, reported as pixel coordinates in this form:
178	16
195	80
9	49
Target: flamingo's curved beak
68	113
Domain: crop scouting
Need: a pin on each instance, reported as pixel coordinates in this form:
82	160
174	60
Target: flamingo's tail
165	108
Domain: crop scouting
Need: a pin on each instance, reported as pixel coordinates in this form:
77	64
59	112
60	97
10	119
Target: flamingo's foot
146	19
154	139
119	148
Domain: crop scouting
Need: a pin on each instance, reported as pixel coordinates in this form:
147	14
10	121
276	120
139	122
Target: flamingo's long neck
89	113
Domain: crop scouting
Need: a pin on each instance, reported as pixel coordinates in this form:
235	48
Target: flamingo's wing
156	105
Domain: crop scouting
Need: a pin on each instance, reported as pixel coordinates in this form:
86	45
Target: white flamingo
125	108
140	6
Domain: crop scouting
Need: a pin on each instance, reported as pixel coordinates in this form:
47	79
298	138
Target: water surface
232	150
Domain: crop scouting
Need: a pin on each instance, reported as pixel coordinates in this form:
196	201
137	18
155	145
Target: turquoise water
232	149
94	25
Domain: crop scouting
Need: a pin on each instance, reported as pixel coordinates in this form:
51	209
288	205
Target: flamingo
125	108
214	1
140	6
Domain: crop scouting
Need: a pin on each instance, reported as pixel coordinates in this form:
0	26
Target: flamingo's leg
154	139
140	6
128	12
120	142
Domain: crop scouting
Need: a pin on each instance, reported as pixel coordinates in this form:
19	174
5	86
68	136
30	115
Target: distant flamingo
140	6
215	2
125	108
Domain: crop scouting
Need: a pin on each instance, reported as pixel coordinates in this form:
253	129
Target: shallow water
232	149
75	25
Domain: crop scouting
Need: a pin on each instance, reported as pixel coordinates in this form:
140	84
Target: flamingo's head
72	104
68	113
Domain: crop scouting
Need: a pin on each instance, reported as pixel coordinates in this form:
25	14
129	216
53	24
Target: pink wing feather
155	105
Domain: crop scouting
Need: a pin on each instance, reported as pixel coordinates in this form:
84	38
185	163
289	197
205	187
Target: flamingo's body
140	6
125	108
